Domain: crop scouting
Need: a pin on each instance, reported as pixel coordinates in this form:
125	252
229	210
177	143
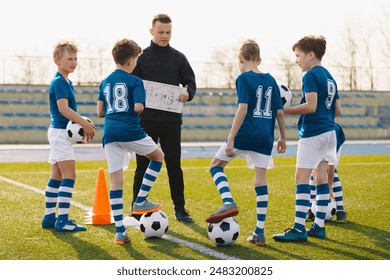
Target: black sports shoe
341	217
183	216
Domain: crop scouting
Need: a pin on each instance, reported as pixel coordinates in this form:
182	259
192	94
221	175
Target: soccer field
366	236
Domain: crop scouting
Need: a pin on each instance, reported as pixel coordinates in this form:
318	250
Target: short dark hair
163	18
316	44
125	49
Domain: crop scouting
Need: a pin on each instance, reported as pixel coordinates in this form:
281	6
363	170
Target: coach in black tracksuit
164	64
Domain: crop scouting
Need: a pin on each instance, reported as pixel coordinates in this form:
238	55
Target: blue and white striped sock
116	202
338	192
322	201
261	207
302	201
64	198
222	184
150	176
51	195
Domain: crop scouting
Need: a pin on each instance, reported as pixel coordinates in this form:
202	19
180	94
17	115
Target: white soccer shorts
118	153
253	159
312	150
338	158
61	148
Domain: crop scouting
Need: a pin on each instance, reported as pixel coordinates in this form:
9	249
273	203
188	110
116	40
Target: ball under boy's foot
341	217
49	221
291	235
226	210
316	232
121	238
68	225
257	239
145	207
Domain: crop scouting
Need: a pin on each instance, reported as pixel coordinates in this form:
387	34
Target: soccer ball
330	211
225	232
286	95
76	132
154	224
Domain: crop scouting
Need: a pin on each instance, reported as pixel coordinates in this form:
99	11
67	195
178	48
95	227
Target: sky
199	27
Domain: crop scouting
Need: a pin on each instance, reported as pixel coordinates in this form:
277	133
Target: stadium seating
24	114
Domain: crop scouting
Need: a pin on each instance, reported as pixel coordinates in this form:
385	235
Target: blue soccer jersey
60	88
120	91
318	80
261	93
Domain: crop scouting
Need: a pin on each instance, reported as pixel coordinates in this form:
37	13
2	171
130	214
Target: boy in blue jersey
121	100
317	138
62	156
251	136
336	190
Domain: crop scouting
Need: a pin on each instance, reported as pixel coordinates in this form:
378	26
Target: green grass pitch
365	181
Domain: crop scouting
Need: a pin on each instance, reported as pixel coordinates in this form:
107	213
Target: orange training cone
101	212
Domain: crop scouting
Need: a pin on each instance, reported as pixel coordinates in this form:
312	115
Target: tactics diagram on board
163	96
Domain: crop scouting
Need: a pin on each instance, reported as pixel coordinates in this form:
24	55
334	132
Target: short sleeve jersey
261	92
60	88
318	80
120	91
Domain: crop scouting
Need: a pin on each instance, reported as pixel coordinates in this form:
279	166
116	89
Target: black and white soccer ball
154	224
330	210
286	95
75	132
225	232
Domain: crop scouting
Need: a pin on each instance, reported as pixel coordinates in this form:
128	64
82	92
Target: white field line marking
191	245
18	184
200	248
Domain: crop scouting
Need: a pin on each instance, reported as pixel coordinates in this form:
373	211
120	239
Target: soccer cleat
316	232
341	217
291	235
183	216
257	239
49	221
121	238
145	207
310	216
226	210
68	225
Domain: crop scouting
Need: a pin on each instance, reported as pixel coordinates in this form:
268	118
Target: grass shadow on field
90	251
378	237
133	248
128	247
354	248
234	250
192	233
85	250
345	249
